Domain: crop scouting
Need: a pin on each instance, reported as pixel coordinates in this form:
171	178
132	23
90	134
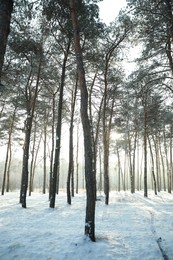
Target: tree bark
5	168
138	164
119	170
155	141
163	164
107	127
89	173
55	176
32	160
46	115
145	153
70	176
31	102
77	160
167	161
171	163
8	152
100	170
106	145
168	48
152	160
130	163
25	171
134	159
52	146
94	139
6	8
8	169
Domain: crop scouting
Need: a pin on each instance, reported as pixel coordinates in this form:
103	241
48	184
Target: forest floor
131	227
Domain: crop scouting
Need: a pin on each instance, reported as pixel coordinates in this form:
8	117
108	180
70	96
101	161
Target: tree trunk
145	153
77	160
8	152
70	166
100	170
55	176
168	47
141	167
138	164
130	164
152	160
125	170
89	173
6	8
25	171
8	169
52	146
170	167
46	115
70	176
35	161
31	102
5	169
106	131
94	140
2	108
157	163
119	170
167	162
106	170
134	159
32	160
106	144
163	164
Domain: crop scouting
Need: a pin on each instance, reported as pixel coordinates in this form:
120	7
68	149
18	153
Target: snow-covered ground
131	227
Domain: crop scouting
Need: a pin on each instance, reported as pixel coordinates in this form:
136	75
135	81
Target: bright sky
109	9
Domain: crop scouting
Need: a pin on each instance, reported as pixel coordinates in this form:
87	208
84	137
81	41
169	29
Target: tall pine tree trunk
170	177
100	170
52	146
32	160
155	141
130	163
167	161
106	166
119	170
8	169
89	173
106	144
30	102
55	176
35	161
5	168
46	115
94	139
163	164
77	160
25	170
70	176
134	158
8	153
145	153
6	8
138	165
152	167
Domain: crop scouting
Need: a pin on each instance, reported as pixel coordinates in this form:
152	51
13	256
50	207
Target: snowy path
149	234
130	228
155	210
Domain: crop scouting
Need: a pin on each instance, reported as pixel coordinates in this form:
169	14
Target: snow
130	228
